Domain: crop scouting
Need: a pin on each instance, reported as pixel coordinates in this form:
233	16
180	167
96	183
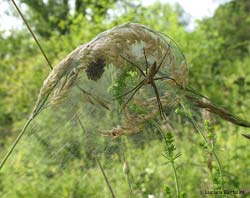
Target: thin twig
81	124
32	33
129	185
105	177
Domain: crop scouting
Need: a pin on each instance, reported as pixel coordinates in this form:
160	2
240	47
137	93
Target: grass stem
32	33
209	147
15	143
40	107
129	185
106	178
176	180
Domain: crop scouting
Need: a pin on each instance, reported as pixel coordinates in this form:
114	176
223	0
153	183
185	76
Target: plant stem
126	168
34	113
176	179
129	185
208	145
221	174
15	143
106	178
32	33
171	161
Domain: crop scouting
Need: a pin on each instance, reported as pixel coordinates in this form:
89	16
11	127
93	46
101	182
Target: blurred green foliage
217	53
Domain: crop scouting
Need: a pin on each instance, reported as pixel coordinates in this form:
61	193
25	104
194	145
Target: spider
149	78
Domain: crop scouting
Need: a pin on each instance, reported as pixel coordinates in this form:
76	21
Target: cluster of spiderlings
95	69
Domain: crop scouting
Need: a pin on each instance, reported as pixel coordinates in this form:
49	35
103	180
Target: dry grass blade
218	111
93	98
246	136
106	178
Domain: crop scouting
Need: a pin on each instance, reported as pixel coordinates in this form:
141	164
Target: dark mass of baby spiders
149	78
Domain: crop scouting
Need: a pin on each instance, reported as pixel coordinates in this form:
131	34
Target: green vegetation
62	153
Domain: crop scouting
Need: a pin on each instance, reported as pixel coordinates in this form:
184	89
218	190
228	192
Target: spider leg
169	78
145	60
132	95
189	89
163	58
137	66
126	93
158	100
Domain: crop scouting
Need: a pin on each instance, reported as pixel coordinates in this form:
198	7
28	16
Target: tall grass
210	147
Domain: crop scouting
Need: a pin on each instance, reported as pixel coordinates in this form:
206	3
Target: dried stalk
91	58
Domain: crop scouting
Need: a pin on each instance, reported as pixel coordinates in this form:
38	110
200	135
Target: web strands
104	68
108	48
77	105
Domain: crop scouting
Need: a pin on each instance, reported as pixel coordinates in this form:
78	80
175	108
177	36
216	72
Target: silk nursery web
109	87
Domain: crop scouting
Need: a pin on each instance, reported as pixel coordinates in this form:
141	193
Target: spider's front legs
169	78
136	88
163	58
131	90
137	66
